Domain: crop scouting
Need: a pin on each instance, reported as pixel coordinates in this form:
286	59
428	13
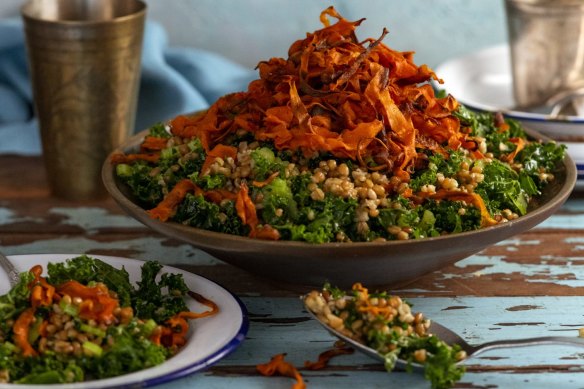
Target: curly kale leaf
158	130
197	212
278	198
501	189
85	269
320	222
437	163
539	158
264	162
149	301
128	353
46	369
15	301
144	186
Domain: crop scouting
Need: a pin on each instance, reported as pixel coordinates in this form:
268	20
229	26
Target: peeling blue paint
563	222
145	248
7	216
92	219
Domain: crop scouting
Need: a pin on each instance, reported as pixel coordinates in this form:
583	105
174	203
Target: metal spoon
451	338
11	271
562	104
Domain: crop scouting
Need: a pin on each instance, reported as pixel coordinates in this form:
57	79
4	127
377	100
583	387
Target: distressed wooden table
530	285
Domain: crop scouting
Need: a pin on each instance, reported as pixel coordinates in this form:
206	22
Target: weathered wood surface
529	285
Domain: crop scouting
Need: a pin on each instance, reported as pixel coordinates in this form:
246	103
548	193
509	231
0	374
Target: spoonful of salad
384	327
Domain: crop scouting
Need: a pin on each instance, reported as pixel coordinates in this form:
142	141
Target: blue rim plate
210	339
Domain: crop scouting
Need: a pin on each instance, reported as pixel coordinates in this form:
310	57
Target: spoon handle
527	342
13	274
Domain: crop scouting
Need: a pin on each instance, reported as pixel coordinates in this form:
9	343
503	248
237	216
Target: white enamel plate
210	339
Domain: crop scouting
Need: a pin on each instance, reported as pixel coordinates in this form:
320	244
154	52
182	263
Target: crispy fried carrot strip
261	184
97	303
519	145
266	232
203	300
42	293
154	143
218	195
173	334
219	151
366	306
245	208
325	357
278	365
167	207
21	328
470	198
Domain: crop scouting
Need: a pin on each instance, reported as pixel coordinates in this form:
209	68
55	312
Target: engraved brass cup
84	60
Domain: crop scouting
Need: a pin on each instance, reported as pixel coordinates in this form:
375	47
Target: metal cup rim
138	13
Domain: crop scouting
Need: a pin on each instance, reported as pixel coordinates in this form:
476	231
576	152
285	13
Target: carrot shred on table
325	357
278	365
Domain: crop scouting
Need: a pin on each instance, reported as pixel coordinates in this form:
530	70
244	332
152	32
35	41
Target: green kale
265	162
176	165
144	186
501	189
158	130
197	212
149	302
209	181
278	197
539	157
449	217
437	163
46	369
401	215
441	367
299	187
85	269
15	301
128	353
321	221
483	125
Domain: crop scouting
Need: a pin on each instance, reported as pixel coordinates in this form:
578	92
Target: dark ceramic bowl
379	263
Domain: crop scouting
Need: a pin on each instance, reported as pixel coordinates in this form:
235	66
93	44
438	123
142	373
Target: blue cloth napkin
173	81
